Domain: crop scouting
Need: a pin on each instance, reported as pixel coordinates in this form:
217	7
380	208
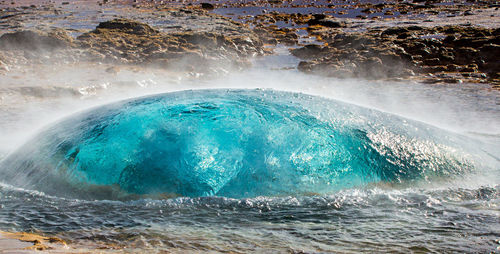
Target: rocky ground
451	54
29	243
428	41
119	41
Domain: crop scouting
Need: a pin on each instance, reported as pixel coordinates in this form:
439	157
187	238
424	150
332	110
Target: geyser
233	143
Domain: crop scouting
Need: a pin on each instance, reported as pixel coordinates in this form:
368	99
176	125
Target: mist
64	91
446	107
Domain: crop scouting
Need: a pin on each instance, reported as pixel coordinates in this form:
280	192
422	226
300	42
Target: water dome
232	143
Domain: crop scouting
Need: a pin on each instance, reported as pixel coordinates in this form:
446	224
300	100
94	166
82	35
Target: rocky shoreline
440	51
15	242
450	54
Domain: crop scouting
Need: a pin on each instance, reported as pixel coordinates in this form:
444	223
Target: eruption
232	143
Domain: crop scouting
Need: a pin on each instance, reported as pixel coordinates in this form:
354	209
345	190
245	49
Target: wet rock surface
35	40
165	39
13	242
428	41
127	41
437	54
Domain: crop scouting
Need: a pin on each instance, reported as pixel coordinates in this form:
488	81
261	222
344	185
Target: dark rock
432	61
389	58
491	67
29	40
496	32
304	66
433	69
395	31
452	80
432	81
403	35
127	26
415	28
327	22
490	51
319	16
367	11
308	51
470	42
449	39
207	6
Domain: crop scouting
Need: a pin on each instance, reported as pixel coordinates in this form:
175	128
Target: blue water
252	171
231	143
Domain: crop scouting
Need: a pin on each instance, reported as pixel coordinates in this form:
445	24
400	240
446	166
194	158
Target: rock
304	66
415	28
470	42
274	35
433	69
207	6
449	39
326	22
367	11
123	41
319	16
490	52
372	68
206	39
468	13
30	40
112	70
309	51
432	61
127	26
395	31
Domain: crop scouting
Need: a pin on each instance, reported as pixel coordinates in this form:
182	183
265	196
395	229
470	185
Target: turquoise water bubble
232	143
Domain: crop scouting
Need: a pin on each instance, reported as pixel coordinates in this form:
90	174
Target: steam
49	93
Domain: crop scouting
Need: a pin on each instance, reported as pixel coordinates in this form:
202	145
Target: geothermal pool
235	168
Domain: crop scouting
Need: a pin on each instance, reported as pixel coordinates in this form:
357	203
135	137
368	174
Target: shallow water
374	219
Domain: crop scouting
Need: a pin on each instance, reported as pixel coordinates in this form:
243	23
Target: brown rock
309	51
127	26
432	61
395	31
491	52
326	22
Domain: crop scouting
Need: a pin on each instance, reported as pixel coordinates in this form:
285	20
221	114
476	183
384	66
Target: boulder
309	51
326	21
207	6
127	26
30	40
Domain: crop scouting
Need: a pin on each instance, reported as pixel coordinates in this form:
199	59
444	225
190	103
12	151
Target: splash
232	143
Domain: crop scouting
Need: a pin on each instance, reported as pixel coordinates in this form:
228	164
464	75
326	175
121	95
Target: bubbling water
232	143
